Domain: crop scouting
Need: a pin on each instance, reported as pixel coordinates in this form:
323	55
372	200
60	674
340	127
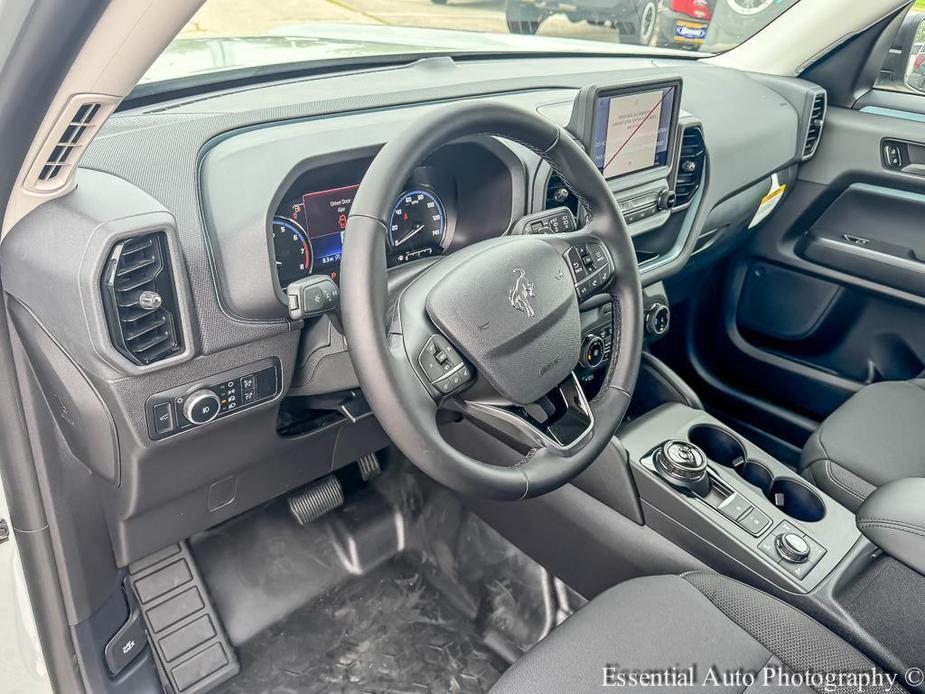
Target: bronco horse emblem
522	292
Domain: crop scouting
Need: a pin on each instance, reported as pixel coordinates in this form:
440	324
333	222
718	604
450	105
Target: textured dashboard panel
159	150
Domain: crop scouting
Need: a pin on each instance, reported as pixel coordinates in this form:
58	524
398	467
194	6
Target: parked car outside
674	23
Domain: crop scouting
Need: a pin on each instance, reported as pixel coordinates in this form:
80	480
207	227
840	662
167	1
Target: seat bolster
839	483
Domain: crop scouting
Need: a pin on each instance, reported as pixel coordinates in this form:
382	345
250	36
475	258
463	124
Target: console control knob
657	319
592	352
666	199
202	406
792	547
683	465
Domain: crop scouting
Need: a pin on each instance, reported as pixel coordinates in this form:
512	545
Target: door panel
830	293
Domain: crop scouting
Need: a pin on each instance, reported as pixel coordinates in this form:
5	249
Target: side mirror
904	68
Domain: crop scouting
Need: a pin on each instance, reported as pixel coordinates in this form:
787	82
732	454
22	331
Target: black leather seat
699	619
876	437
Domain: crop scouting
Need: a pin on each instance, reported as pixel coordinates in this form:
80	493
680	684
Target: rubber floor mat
389	630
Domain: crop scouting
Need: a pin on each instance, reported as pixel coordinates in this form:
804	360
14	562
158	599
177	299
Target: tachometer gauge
418	225
292	249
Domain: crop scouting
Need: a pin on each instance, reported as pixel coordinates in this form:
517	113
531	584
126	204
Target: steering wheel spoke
560	421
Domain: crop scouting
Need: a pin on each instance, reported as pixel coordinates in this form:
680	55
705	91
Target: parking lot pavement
256	17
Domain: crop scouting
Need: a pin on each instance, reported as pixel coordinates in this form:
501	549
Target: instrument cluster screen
325	213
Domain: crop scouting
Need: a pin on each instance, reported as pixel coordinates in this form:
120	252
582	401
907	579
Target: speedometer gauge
292	249
418	225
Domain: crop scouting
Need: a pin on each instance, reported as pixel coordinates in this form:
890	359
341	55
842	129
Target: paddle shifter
683	465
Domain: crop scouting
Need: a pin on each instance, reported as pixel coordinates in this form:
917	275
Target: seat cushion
876	437
668	624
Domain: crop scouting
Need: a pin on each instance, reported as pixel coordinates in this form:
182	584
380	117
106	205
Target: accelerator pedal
316	500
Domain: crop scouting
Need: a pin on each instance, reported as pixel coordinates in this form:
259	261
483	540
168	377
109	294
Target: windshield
229	35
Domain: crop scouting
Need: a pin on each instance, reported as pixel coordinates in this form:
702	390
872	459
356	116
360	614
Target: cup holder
719	446
796	500
790	495
757	475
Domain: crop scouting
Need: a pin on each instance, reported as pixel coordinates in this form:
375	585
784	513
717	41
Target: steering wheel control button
591	268
792	547
312	296
202	407
444	367
754	522
555	221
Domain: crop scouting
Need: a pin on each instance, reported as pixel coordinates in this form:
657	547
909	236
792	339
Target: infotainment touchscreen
632	131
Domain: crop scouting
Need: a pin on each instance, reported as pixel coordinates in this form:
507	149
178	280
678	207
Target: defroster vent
139	299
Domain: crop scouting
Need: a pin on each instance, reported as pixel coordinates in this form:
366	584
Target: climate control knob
201	407
792	547
592	352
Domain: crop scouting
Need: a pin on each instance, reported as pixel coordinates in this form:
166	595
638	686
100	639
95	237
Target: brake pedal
320	498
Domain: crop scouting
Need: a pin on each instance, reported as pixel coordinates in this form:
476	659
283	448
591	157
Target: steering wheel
492	330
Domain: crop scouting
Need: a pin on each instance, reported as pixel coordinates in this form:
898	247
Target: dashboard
225	401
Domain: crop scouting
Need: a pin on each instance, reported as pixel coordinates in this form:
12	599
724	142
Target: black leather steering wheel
492	330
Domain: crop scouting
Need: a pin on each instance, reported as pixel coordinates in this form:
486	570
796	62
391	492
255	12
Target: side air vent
559	195
139	300
814	129
63	147
690	165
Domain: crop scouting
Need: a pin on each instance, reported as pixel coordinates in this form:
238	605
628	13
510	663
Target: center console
720	496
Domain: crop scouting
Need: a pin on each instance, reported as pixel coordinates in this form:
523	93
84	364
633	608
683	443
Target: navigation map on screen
631	132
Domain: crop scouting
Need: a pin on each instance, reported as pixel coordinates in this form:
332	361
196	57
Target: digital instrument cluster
308	233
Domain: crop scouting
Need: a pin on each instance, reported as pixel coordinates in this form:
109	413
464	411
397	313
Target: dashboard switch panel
194	405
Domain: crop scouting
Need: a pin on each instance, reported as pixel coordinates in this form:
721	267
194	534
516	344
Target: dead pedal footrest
193	651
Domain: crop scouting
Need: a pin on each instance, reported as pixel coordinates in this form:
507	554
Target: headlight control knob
792	547
592	352
202	406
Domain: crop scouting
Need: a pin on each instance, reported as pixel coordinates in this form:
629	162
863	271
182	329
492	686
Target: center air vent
814	129
690	165
138	296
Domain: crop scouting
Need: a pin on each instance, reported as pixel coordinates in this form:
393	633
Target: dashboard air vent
814	129
690	165
139	300
559	195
